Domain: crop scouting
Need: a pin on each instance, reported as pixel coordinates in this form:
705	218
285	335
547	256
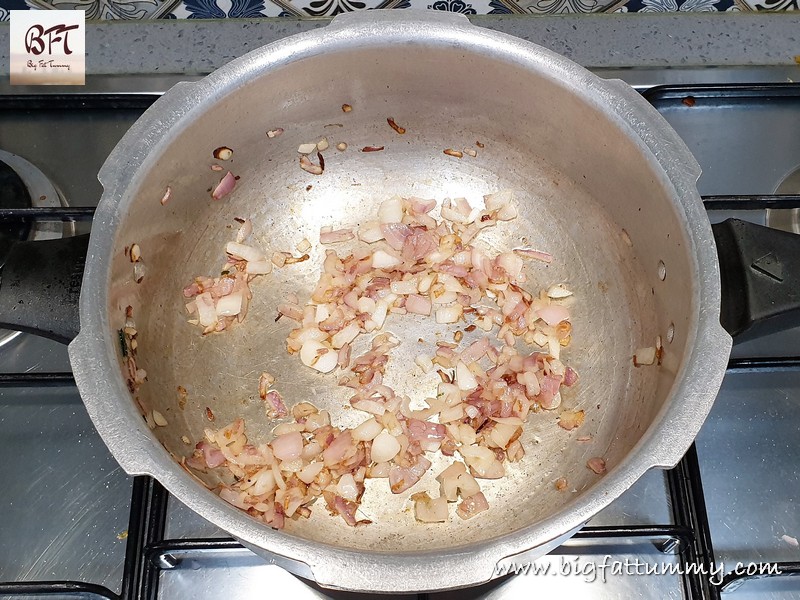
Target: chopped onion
379	470
645	356
502	434
307	148
454	413
475	351
224	187
472	505
402	478
309	473
424	363
370	406
276	406
345	336
597	464
391	210
464	378
370	232
395	234
448	481
309	167
449	314
292	311
384	260
230	306
159	419
406	286
553	314
535	254
422	206
244	252
558	291
367	431
284	428
384	447
419	305
259	267
338	448
498	200
570	377
482	461
245	230
335	237
206	312
511	264
429	510
278	259
347	488
287	446
138	271
515	421
167	194
318	356
570	419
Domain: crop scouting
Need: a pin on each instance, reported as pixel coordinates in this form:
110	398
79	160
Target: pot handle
40	285
760	276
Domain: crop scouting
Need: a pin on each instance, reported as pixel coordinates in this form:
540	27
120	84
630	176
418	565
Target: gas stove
724	522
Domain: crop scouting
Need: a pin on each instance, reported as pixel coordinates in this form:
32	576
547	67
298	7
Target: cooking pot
601	182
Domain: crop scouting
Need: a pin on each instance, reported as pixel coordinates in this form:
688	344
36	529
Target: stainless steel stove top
70	514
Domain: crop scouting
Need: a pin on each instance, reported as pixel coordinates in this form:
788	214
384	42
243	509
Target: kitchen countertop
597	41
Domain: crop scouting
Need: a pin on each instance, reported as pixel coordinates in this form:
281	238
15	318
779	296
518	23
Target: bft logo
48	47
38	39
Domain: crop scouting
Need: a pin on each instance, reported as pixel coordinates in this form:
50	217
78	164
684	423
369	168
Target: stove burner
42	193
23	185
14	194
786	219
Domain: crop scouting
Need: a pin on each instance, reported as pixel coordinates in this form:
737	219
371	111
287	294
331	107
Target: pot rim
103	389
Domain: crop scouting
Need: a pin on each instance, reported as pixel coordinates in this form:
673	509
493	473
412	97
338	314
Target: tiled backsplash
220	9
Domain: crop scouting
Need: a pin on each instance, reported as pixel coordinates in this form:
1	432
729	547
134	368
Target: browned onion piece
570	419
597	464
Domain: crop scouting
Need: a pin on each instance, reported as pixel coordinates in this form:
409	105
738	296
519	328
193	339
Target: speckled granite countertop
597	41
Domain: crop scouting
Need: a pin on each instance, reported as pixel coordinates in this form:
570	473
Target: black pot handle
40	286
760	275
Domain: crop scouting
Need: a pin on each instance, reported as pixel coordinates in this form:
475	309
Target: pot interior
585	190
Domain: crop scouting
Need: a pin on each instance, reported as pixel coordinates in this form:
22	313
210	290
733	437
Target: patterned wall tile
111	9
770	5
249	9
221	9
